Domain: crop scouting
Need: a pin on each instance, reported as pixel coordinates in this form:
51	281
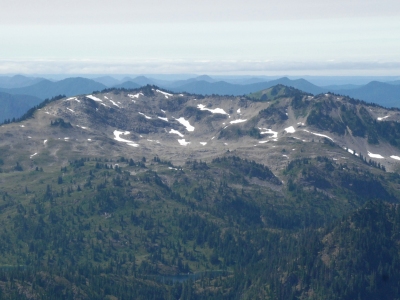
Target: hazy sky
351	37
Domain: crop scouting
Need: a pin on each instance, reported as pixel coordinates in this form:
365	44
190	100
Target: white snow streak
164	93
119	139
32	155
269	131
375	155
203	143
185	123
176	132
183	142
94	98
73	98
70	110
164	119
114	103
147	117
214	111
318	134
237	121
135	96
380	119
238	111
44	142
395	157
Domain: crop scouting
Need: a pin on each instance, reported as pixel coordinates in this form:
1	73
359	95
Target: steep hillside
148	194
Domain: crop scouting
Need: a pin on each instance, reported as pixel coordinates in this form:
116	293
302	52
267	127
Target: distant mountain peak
205	78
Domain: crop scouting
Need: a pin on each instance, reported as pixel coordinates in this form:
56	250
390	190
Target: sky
252	37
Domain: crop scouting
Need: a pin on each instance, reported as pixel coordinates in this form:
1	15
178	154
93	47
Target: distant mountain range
14	106
383	93
68	87
18	81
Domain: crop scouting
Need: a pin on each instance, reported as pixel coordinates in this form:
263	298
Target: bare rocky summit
280	125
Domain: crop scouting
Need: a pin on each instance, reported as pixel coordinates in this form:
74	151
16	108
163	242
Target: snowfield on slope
94	98
117	137
214	111
173	131
237	121
183	142
375	155
185	123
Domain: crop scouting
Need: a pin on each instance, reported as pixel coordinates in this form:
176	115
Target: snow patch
114	103
290	129
183	142
380	119
203	143
147	117
164	119
117	137
135	96
375	155
73	98
32	155
262	142
176	132
164	93
22	126
214	111
318	134
269	131
395	157
94	98
44	142
89	140
238	111
70	110
238	121
185	123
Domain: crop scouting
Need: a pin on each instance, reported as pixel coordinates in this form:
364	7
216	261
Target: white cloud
131	11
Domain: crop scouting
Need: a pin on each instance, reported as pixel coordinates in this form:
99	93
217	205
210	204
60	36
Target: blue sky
251	37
